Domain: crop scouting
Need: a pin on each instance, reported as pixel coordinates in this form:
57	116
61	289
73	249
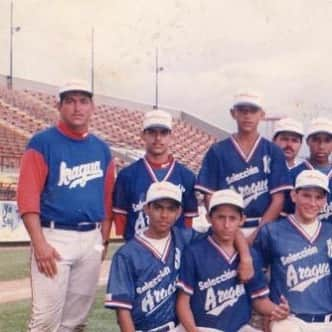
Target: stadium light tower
158	69
13	29
92	59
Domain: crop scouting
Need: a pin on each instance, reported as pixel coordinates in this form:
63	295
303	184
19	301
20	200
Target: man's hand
280	311
46	257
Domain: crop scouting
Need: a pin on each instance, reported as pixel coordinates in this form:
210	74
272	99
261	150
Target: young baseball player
211	297
249	164
319	141
64	195
143	275
158	165
298	248
288	135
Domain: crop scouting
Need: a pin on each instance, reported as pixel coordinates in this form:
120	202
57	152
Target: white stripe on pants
62	303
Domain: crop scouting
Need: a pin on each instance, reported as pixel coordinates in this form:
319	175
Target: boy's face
320	146
225	221
247	117
162	215
157	141
308	203
289	143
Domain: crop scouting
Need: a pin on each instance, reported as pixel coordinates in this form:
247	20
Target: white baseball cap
226	196
71	86
157	119
248	99
163	190
289	125
320	125
312	178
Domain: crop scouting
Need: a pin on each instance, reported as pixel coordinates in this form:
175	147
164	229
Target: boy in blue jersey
211	297
143	275
319	141
249	164
158	164
298	249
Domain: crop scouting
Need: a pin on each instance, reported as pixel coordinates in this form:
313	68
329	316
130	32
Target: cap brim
327	190
89	93
157	126
163	197
248	104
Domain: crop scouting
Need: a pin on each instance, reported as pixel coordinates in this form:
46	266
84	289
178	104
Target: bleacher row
24	112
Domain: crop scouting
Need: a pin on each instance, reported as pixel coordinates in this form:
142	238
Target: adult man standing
157	165
64	198
298	249
249	164
288	135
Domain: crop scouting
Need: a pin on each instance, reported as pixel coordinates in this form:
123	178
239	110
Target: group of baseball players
268	247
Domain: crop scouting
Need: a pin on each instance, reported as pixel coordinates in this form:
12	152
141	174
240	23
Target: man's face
157	141
225	221
290	144
308	203
247	117
320	146
162	215
75	110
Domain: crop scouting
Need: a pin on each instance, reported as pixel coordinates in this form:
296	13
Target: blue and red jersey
66	177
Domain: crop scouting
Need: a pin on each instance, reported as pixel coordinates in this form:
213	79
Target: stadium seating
25	112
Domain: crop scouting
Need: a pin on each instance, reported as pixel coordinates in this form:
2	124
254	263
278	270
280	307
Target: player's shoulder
275	226
219	146
185	170
185	236
128	249
43	137
131	168
98	140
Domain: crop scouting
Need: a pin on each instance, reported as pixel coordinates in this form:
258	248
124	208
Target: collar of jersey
160	165
64	129
297	225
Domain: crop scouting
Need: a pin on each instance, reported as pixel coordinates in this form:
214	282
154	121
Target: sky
209	49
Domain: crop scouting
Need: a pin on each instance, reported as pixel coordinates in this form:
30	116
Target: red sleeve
120	221
31	181
109	186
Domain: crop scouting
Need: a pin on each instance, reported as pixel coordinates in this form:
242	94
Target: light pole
157	70
92	59
12	31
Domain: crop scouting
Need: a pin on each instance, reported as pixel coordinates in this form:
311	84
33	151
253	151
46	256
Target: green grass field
14	262
14	316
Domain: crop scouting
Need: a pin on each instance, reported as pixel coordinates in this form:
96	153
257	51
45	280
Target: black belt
80	227
315	318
